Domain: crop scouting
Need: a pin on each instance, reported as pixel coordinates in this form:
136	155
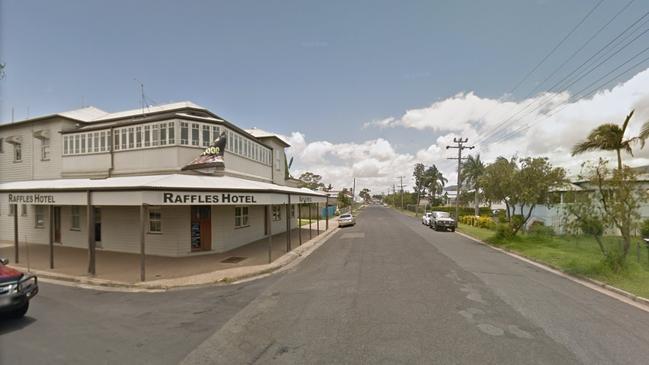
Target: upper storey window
166	133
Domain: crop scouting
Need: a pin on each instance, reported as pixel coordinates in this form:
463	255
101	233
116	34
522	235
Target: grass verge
578	256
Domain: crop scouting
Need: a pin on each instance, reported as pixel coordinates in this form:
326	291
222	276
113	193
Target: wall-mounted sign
212	198
44	198
212	156
308	199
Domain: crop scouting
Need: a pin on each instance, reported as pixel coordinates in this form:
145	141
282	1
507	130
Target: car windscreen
346	216
442	215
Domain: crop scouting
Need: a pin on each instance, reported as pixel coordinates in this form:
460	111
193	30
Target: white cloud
552	131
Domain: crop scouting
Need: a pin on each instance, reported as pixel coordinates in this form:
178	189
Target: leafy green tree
365	194
497	182
419	173
610	137
533	181
614	203
434	181
472	170
311	181
344	198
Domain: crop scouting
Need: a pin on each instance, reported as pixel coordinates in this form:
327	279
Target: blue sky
320	68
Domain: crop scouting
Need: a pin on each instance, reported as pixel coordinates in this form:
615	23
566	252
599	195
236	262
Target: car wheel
20	312
452	229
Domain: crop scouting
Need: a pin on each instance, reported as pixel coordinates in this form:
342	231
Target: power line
561	42
565	104
495	131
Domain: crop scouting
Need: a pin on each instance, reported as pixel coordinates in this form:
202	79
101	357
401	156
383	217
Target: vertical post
299	222
16	256
142	245
270	233
288	224
317	224
90	221
50	211
310	233
327	210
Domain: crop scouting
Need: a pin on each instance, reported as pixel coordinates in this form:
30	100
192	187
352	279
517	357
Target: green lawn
575	255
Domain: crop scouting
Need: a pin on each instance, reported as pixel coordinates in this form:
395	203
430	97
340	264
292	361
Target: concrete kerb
611	291
220	277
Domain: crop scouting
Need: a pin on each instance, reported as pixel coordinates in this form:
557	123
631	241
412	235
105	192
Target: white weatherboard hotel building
113	181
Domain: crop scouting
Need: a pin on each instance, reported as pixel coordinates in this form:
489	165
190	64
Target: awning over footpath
171	189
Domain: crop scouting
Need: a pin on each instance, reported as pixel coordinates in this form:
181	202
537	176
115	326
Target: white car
425	219
346	220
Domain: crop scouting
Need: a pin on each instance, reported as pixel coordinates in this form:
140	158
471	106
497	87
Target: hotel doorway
201	228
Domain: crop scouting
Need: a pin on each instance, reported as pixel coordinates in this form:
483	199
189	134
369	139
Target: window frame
45	149
75	217
277	213
18	152
154	210
39	211
241	213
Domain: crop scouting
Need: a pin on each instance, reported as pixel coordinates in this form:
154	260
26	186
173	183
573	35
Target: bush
517	221
538	229
504	231
644	228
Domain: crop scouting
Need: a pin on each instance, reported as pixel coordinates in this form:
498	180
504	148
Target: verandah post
16	256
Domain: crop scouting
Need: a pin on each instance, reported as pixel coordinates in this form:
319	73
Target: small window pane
147	135
131	138
163	134
195	136
171	128
123	144
184	133
206	135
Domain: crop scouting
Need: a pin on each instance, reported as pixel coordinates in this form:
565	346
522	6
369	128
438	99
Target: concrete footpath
216	277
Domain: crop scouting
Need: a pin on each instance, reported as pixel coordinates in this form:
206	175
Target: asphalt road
386	291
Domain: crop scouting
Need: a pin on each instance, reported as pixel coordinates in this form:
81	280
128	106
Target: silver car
346	220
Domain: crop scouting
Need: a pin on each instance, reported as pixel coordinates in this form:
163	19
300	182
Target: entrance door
201	228
98	226
57	224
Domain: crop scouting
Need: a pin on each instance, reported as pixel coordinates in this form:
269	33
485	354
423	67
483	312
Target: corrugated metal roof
171	181
149	110
260	133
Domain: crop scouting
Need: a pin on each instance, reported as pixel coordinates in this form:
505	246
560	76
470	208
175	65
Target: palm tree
610	137
434	181
440	181
472	170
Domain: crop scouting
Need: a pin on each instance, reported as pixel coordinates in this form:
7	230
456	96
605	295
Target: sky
361	89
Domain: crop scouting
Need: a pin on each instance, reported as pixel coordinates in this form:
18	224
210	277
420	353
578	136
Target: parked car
442	220
346	220
16	290
425	219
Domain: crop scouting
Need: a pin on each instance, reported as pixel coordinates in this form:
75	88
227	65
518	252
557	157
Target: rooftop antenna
143	100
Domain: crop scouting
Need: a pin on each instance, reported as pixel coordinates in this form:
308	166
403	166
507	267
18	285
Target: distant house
553	213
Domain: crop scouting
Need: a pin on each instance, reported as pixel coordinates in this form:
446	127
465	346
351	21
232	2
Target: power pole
401	177
394	195
353	191
460	146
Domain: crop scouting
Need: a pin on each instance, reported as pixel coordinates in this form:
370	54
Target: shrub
644	228
504	231
538	229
